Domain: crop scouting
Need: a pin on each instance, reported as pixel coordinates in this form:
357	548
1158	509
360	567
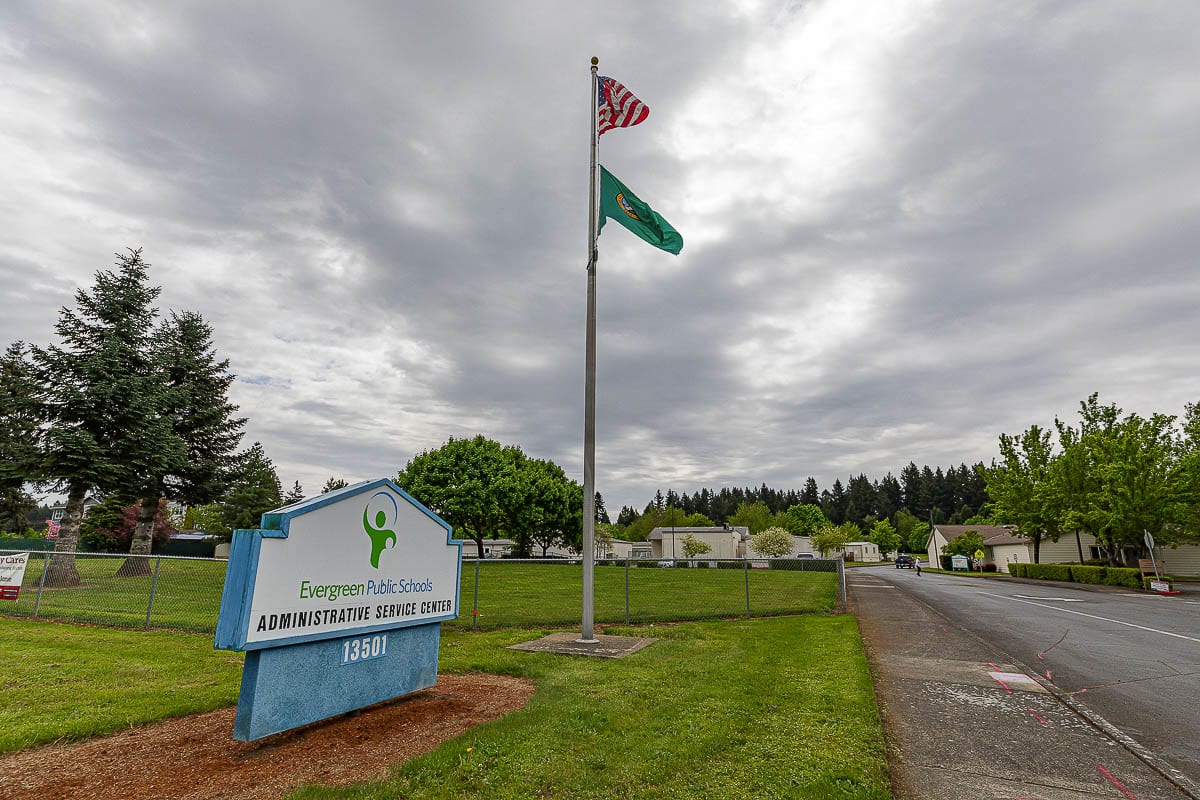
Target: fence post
153	587
475	598
842	580
746	570
37	604
626	590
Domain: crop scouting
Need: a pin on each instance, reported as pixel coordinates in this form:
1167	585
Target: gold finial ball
595	61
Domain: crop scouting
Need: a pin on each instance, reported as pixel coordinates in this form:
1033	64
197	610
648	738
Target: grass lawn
66	682
764	708
523	595
187	594
767	708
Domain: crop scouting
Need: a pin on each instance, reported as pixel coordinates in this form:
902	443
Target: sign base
286	687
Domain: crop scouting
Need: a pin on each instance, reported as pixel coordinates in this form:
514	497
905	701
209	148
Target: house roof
992	534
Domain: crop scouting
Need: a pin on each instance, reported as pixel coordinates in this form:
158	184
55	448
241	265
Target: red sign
9	592
52	528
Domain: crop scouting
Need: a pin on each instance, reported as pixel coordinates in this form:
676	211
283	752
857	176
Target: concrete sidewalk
964	723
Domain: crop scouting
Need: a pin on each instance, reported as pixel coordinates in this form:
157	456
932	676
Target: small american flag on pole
618	108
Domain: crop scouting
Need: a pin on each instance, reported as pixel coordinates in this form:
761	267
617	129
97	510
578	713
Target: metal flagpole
589	402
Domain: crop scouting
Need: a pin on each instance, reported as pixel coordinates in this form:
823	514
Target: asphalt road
1132	658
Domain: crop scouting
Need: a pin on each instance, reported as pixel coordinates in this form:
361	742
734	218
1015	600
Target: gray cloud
907	229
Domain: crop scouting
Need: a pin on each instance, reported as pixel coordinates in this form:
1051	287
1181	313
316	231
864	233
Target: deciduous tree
772	543
693	546
884	536
460	482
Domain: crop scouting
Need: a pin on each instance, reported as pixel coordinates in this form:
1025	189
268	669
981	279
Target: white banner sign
12	572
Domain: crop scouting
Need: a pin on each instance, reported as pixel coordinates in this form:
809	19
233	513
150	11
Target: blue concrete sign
338	602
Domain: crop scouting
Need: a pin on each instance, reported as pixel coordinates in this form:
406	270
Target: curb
1106	728
1169	773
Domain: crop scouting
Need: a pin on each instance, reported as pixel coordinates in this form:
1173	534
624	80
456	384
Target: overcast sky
908	226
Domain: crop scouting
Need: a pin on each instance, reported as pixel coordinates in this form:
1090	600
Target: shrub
1146	582
1082	573
1048	572
945	562
1016	570
989	567
1124	576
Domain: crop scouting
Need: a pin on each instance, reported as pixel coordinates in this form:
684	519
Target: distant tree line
953	495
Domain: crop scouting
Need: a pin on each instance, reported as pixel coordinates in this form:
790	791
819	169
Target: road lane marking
1093	616
1055	599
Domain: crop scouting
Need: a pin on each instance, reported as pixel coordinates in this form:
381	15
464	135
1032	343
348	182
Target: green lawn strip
68	682
515	594
187	594
767	708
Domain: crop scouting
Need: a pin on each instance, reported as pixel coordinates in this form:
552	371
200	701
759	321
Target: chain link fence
520	592
174	592
181	593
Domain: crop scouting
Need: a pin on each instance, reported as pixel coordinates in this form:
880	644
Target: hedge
1049	572
1124	576
1081	573
1016	570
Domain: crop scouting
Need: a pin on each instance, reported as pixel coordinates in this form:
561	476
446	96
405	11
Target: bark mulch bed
196	757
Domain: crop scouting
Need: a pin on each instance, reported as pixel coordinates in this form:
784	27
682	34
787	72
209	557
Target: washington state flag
618	202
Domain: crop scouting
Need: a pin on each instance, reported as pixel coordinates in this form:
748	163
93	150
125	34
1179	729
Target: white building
724	541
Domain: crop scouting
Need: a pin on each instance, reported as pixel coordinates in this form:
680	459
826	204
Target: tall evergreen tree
333	484
601	514
100	393
294	495
860	500
889	497
833	503
810	495
200	425
18	434
253	490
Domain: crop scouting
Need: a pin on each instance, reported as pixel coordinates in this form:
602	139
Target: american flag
618	107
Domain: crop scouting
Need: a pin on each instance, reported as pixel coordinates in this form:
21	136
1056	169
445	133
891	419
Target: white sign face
370	560
1160	586
12	572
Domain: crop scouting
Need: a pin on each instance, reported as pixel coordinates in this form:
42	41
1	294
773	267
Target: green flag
618	202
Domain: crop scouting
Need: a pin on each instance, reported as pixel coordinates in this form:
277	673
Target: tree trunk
61	571
1079	544
138	563
1037	549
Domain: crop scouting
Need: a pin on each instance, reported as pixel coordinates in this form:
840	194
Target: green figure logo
381	536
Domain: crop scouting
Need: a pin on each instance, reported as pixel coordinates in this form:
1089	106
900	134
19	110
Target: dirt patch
196	757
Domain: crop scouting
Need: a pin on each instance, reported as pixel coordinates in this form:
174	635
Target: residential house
1002	545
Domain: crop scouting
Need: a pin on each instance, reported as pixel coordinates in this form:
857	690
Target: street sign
979	554
1149	539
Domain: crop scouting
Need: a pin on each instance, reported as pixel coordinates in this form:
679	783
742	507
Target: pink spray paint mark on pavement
1116	782
1037	716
